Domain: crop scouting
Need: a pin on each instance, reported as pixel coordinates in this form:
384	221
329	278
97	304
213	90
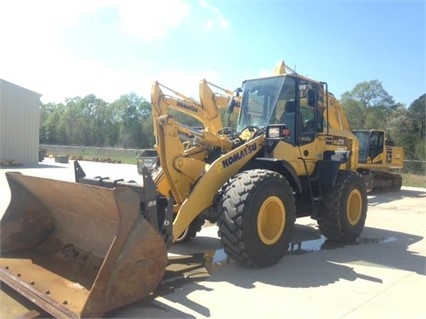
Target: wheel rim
271	220
354	207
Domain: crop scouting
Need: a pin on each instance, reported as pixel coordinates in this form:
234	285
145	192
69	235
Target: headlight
273	132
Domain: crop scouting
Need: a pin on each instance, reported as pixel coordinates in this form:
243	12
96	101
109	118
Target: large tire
191	231
257	219
343	209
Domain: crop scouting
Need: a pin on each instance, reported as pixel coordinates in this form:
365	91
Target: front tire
343	209
257	219
191	231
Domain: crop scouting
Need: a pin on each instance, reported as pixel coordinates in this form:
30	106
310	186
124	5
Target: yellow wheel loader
82	249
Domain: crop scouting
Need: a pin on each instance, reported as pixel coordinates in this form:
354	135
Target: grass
96	154
413	180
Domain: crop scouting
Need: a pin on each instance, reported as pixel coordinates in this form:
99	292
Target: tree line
127	122
90	121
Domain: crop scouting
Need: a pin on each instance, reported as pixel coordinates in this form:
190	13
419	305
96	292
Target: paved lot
382	275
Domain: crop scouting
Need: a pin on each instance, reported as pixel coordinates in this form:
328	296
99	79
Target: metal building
19	123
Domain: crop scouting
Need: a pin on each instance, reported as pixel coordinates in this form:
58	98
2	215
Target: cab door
310	124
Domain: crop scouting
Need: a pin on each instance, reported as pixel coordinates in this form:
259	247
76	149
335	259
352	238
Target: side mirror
237	92
311	98
231	106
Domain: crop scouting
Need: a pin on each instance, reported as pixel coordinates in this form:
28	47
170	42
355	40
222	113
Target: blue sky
73	48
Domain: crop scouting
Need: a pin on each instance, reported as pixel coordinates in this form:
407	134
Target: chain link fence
92	153
414	167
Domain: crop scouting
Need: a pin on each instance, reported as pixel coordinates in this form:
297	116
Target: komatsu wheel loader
81	249
285	163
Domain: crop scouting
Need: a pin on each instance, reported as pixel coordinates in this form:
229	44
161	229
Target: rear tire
257	219
343	209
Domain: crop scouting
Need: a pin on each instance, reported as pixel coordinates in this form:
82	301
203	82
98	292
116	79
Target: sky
66	49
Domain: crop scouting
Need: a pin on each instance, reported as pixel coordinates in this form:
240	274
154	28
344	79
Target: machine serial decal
239	155
338	141
186	106
388	154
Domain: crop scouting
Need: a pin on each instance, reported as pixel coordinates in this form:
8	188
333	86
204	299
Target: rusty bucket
77	250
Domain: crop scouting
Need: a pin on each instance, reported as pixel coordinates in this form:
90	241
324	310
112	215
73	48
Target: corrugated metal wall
19	123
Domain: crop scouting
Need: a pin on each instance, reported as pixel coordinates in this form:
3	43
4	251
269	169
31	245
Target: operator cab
286	104
371	143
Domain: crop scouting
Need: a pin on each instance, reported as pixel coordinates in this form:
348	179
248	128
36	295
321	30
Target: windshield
260	99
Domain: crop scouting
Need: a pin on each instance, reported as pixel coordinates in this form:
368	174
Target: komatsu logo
239	155
187	106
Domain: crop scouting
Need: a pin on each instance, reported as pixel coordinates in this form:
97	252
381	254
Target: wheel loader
82	249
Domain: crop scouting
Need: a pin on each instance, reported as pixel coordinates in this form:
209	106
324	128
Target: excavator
379	160
80	249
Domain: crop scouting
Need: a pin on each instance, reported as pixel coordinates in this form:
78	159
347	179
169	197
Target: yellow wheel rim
271	220
354	207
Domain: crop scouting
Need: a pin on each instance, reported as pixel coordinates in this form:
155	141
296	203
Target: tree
84	120
416	128
129	112
52	130
398	123
367	105
417	111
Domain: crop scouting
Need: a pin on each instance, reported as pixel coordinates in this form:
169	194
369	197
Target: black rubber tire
336	221
191	231
243	197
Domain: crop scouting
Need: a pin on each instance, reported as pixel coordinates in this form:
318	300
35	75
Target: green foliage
90	121
369	106
127	122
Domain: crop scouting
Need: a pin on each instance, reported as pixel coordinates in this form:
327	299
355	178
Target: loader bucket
78	250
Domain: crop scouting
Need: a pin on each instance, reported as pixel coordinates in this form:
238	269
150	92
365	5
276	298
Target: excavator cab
379	160
371	145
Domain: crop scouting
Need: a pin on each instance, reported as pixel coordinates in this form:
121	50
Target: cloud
187	83
151	19
265	73
35	53
218	19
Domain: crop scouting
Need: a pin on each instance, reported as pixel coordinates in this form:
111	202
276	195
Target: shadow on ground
311	261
